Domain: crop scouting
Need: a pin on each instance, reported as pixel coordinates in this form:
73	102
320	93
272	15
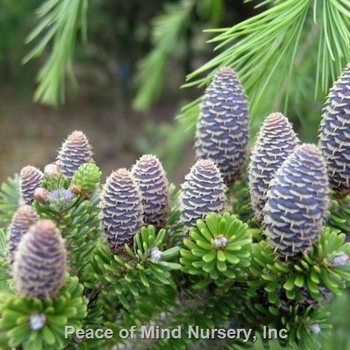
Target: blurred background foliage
118	64
16	20
114	69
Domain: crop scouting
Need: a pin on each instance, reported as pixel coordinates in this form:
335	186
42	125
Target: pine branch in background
169	31
267	50
58	27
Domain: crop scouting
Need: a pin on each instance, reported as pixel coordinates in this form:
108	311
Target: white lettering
109	333
88	333
68	330
193	332
124	333
283	333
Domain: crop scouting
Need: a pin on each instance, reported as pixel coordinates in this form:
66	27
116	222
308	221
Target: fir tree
88	259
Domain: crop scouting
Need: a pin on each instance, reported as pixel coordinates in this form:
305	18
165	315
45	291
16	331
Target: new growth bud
41	195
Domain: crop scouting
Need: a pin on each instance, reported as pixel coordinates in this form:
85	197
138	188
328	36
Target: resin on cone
222	131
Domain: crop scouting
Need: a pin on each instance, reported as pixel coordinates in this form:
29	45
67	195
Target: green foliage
271	53
40	324
223	275
167	141
142	267
77	218
9	198
14	25
172	30
217	248
86	178
339	211
169	29
59	23
4	273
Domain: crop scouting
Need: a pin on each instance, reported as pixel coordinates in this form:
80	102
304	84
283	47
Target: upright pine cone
40	262
121	209
74	152
203	192
30	179
275	141
297	201
334	133
150	176
23	218
222	133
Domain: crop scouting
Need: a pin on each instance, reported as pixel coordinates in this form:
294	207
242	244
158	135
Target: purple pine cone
275	141
222	133
297	201
121	209
203	192
23	218
334	133
40	261
30	179
150	176
74	152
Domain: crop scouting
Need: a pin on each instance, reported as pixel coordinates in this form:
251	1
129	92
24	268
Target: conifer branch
57	29
264	51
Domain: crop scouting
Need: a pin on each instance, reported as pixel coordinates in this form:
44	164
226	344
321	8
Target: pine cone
74	152
203	192
40	262
23	218
121	209
222	128
149	174
334	133
30	179
275	141
306	299
297	201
